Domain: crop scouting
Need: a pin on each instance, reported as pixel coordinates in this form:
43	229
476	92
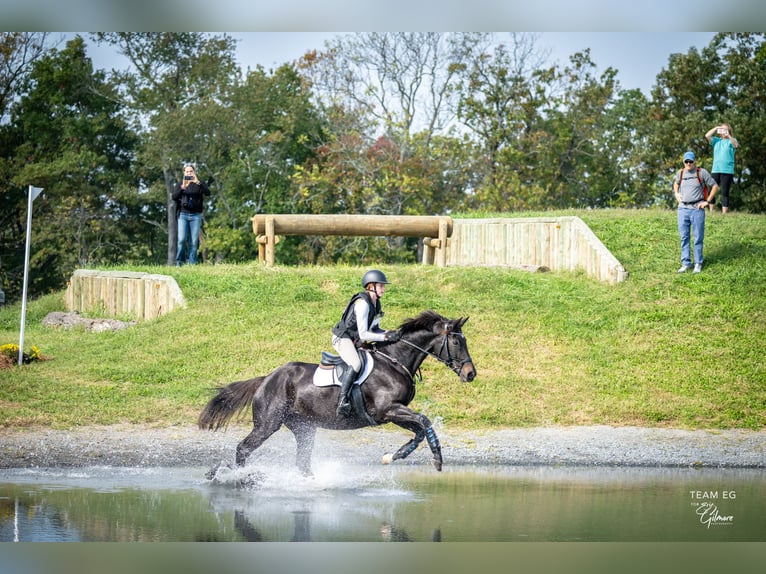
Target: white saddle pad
329	377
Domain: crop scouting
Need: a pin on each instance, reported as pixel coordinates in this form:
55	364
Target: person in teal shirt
724	147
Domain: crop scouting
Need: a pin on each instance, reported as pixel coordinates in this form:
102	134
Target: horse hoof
251	481
437	465
213	472
388	458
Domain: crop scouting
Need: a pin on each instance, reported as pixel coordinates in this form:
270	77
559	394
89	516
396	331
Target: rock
59	319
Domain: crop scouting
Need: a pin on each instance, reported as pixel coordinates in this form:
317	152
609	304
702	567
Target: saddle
331	367
328	374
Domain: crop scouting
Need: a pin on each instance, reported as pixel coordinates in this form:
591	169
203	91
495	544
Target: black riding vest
346	327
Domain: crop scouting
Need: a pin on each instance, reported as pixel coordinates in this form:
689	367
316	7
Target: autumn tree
499	100
389	103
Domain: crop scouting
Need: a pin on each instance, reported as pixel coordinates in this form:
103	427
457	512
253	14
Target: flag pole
33	193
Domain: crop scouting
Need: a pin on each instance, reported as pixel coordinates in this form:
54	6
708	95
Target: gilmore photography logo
710	506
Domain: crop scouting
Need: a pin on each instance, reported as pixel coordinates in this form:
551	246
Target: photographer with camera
724	147
188	196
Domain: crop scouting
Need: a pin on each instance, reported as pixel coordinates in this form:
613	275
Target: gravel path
139	446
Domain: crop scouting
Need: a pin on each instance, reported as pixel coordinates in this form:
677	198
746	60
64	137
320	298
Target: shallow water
383	503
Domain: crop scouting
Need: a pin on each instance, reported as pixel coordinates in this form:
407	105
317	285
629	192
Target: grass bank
660	349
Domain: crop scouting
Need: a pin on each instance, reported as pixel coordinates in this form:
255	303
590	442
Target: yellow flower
10	350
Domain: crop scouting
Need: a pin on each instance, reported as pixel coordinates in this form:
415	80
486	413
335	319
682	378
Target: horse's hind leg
252	441
304	439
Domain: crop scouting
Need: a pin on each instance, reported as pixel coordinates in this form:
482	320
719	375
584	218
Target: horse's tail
229	401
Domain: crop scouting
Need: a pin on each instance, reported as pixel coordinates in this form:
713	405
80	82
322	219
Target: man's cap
689	155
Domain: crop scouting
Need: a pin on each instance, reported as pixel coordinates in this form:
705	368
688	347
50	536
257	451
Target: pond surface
394	503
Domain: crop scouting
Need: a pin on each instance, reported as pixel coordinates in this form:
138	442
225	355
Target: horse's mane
424	321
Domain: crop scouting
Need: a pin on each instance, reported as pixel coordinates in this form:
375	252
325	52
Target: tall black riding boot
344	404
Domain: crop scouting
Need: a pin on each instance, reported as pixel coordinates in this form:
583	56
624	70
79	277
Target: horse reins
453	364
415	378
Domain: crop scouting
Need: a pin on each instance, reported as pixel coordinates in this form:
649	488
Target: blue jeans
189	225
691	220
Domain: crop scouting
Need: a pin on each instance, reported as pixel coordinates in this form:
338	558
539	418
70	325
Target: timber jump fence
435	230
554	243
142	296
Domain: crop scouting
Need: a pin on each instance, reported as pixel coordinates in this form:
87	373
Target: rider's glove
393	336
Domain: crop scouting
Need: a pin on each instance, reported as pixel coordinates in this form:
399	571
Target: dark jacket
347	326
189	200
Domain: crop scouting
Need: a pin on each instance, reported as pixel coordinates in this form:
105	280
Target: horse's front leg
421	426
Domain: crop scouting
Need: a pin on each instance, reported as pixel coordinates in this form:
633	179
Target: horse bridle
452	363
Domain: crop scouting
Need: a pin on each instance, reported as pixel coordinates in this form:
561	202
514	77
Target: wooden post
428	251
441	251
430	248
269	228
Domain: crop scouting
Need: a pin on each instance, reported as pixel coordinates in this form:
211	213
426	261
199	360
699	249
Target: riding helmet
373	276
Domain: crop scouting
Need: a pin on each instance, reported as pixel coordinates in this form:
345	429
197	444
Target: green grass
660	349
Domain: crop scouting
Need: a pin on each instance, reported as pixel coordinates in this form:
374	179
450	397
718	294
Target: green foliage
389	123
659	349
66	136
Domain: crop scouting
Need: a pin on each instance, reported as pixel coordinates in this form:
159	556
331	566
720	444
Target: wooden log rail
435	230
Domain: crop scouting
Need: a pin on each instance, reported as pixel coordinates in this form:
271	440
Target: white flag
33	193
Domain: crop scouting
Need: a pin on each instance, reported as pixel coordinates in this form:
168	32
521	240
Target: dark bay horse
289	396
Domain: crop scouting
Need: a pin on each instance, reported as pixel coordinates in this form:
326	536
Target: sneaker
697	268
684	269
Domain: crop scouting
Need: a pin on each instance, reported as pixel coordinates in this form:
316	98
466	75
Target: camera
191	177
723	131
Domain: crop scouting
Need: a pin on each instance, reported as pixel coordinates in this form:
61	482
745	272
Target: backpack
705	190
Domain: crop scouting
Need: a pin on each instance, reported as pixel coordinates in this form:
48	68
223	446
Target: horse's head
453	349
443	339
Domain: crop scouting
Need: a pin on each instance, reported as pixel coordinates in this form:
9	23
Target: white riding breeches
347	351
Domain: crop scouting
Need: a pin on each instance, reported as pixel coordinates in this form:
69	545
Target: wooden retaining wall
557	243
142	296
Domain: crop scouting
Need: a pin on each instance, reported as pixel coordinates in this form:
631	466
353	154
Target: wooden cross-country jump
433	229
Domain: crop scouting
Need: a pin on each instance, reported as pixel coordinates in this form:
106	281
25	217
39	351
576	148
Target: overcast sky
638	56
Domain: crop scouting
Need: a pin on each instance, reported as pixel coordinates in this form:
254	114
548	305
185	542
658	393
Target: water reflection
389	504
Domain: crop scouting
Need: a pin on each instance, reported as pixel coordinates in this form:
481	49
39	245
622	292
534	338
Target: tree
500	97
681	100
396	88
273	127
67	136
172	75
741	90
18	52
622	147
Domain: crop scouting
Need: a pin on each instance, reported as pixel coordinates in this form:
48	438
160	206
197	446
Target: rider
360	323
